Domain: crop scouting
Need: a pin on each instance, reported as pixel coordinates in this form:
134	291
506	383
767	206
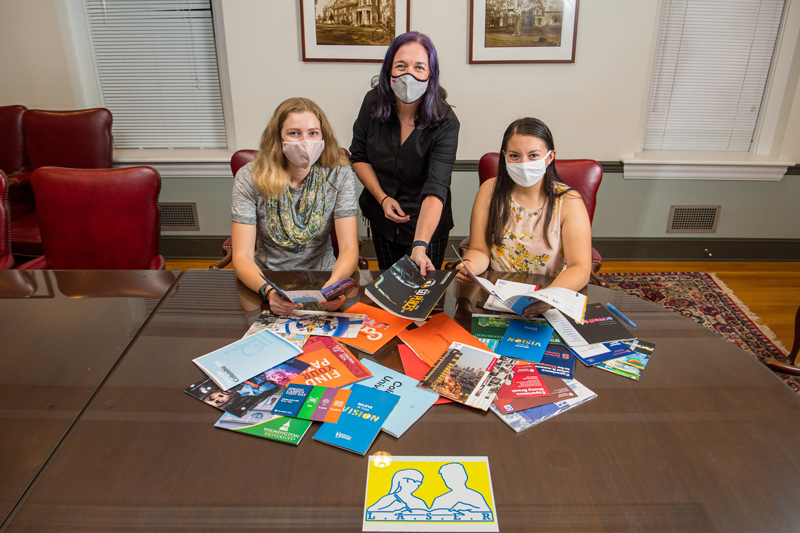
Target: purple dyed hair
433	109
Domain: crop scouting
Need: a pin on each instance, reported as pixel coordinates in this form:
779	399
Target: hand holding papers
331	292
571	303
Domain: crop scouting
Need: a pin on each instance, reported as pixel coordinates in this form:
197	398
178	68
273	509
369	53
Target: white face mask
407	88
303	153
528	173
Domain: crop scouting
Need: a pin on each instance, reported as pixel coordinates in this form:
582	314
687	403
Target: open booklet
571	303
331	292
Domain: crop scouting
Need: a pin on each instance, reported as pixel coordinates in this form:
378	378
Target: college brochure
524	382
292	400
379	328
433	338
279	428
558	388
265	321
319	323
522	420
631	366
571	303
415	368
599	325
360	421
403	291
489	329
507	289
326	294
593	354
413	403
330	366
523	340
468	375
241	360
557	361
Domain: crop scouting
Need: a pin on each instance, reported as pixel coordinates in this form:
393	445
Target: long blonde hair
270	173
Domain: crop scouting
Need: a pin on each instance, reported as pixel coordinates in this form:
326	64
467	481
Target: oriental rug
704	298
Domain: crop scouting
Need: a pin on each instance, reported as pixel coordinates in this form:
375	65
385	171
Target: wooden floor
771	290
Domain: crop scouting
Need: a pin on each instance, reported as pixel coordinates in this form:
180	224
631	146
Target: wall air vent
693	218
178	216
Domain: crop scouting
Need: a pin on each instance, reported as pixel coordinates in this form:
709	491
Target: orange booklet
416	368
431	340
331	364
378	329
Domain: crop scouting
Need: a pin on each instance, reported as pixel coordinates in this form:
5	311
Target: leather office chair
98	218
6	259
788	365
71	139
14	159
583	175
240	159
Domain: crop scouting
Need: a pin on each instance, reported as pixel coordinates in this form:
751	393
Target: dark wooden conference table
708	440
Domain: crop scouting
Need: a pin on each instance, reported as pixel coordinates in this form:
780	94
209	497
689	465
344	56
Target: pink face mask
303	153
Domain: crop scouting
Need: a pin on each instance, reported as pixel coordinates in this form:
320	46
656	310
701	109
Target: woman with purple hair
403	150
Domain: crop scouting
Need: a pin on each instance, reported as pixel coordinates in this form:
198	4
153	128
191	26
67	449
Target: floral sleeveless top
523	248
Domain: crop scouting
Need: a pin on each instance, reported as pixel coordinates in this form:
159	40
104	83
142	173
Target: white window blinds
157	66
711	66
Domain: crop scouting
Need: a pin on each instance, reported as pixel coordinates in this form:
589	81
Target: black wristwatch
264	292
420	243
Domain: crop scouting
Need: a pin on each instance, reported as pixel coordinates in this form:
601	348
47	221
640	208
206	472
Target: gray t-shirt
249	207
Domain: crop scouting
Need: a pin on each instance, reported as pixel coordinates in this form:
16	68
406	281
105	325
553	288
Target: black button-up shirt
420	167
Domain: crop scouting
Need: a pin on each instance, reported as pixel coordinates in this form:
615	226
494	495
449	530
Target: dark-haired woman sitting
526	219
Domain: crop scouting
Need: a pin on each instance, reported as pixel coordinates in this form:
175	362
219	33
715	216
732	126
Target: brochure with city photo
468	375
403	291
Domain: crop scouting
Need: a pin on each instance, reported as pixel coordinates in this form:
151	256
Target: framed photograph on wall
351	30
523	31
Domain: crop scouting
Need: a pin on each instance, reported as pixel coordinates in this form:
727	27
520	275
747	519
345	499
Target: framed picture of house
351	30
523	31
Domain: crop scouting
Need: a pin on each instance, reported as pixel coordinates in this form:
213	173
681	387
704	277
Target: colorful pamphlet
265	321
403	291
468	375
292	400
330	365
522	420
490	329
524	382
416	368
414	402
558	388
631	366
571	303
507	289
408	493
312	403
361	419
231	365
326	294
319	323
242	398
379	328
335	410
279	428
604	351
557	361
523	340
432	339
599	325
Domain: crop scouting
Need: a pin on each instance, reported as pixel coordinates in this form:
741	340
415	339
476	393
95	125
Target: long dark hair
433	109
499	206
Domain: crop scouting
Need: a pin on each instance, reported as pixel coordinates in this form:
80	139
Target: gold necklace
406	123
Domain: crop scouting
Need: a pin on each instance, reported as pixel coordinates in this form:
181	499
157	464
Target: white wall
595	106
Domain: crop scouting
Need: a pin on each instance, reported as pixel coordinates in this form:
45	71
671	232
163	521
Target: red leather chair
583	175
14	159
71	139
240	159
6	259
102	219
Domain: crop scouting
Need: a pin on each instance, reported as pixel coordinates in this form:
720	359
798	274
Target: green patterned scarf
295	228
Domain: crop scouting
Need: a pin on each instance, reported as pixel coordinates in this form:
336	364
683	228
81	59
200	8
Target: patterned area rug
705	299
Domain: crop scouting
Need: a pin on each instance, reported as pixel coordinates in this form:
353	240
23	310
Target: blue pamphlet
241	360
524	340
414	402
292	400
363	415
